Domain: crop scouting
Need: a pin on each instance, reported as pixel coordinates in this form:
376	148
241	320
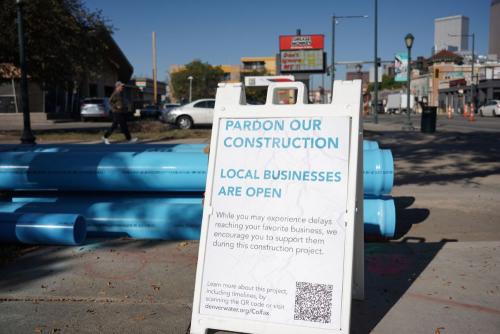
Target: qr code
313	302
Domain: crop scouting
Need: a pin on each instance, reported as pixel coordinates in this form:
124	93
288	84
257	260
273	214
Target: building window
254	66
92	90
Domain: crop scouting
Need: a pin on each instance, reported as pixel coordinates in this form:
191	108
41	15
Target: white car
491	108
194	113
95	108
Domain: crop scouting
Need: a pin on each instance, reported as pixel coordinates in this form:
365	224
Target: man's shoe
133	140
105	140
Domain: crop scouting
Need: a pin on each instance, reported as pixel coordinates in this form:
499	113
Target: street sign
401	67
277	242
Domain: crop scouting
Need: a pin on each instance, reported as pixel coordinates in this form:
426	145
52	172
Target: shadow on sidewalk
406	216
442	157
390	270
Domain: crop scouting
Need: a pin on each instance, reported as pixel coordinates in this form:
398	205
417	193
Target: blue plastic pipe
378	172
42	228
103	171
163	218
138	168
136	148
370	145
379	216
138	217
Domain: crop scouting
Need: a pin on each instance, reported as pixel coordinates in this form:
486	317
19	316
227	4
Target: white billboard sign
276	250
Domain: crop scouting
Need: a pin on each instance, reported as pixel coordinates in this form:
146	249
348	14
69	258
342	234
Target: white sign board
264	80
277	235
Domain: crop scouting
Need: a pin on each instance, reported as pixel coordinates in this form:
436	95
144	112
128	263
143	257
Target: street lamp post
409	43
334	22
190	78
375	62
27	136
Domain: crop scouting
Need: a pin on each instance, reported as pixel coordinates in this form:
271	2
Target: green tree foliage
63	39
388	82
255	95
205	80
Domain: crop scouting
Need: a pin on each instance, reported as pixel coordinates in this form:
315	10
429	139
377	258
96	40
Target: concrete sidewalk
124	286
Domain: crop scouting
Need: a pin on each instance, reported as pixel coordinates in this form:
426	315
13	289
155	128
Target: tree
205	80
64	40
388	82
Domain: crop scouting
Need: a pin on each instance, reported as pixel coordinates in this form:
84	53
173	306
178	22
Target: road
456	123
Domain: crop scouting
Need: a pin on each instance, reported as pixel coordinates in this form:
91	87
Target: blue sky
222	31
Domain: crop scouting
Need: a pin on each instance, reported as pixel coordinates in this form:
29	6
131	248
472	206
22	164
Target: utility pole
190	78
473	80
409	43
155	84
334	22
27	136
375	62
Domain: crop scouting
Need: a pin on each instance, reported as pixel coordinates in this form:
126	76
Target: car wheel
184	122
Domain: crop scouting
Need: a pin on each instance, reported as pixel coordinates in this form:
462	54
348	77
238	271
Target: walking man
119	115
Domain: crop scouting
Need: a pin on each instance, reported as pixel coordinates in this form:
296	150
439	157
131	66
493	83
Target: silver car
490	108
95	108
194	113
166	109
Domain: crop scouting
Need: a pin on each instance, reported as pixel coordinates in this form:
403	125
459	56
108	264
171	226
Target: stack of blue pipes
58	194
379	213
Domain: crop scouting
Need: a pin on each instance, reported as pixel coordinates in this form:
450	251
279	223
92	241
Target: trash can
428	122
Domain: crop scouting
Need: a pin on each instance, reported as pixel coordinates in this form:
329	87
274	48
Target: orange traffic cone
465	110
471	114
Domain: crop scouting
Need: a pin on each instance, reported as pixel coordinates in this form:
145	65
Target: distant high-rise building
446	30
494	48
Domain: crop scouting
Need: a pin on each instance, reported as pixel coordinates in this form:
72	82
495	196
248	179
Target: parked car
490	108
95	108
166	108
150	111
194	113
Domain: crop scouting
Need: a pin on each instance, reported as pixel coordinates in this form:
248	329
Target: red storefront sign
302	42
